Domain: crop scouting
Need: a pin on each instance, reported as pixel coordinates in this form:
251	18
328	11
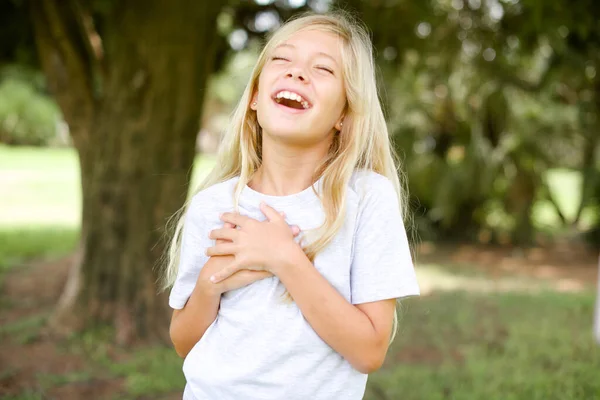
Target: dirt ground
32	290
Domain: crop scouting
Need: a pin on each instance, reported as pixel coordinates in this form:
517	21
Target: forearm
189	324
340	324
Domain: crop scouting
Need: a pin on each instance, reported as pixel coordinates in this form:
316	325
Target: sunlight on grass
41	202
41	187
447	277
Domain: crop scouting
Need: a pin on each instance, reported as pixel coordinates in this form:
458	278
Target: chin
292	135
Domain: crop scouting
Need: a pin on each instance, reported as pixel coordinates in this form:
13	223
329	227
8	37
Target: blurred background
109	109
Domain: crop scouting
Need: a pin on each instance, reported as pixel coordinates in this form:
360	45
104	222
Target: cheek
336	101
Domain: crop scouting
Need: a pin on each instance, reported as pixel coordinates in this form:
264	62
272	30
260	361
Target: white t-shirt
260	346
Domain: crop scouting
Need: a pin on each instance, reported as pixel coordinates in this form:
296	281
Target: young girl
293	252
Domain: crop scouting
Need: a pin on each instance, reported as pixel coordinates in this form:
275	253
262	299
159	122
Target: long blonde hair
363	142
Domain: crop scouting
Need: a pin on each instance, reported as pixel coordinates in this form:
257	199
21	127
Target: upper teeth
292	96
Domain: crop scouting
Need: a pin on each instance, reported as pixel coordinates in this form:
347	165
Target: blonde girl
287	263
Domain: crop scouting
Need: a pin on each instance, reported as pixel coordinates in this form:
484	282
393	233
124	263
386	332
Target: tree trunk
132	97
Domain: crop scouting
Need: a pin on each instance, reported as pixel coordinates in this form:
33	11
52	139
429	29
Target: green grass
19	244
50	380
41	202
451	345
460	345
40	187
24	330
152	371
147	370
26	395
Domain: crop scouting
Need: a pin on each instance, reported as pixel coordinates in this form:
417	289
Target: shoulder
369	184
213	198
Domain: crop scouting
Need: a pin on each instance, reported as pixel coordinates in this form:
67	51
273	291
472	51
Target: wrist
288	257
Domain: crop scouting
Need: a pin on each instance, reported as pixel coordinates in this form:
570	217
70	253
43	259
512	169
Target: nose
297	73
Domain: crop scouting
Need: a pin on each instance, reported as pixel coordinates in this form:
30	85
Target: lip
300	92
290	109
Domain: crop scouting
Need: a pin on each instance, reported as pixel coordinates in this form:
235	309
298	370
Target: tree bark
132	96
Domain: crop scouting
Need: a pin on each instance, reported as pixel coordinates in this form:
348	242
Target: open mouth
291	100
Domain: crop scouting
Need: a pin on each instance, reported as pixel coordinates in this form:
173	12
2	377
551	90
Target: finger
271	214
221	249
224	273
235	219
295	230
225	225
224	234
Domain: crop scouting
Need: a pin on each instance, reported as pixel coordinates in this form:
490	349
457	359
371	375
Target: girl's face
301	96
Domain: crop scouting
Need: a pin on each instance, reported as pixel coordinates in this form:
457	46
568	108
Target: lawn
40	201
473	335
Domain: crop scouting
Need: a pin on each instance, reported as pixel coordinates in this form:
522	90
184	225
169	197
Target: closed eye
327	69
275	58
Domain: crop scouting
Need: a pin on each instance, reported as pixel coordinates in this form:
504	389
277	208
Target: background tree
128	77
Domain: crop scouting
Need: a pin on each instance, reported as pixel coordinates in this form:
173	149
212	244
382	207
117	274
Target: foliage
483	98
27	115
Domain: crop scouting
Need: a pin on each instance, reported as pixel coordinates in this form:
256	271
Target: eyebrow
320	53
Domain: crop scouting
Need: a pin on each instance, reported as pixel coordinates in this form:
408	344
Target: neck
286	170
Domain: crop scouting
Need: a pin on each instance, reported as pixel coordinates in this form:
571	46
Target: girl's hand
255	246
235	281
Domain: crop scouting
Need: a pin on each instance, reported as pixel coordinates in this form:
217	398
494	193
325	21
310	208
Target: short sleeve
382	266
194	242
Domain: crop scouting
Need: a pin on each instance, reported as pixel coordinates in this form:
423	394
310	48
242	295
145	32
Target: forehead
315	41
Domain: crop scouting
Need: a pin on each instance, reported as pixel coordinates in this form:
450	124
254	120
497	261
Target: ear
340	122
254	101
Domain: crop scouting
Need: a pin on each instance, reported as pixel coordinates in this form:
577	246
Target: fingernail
213	279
